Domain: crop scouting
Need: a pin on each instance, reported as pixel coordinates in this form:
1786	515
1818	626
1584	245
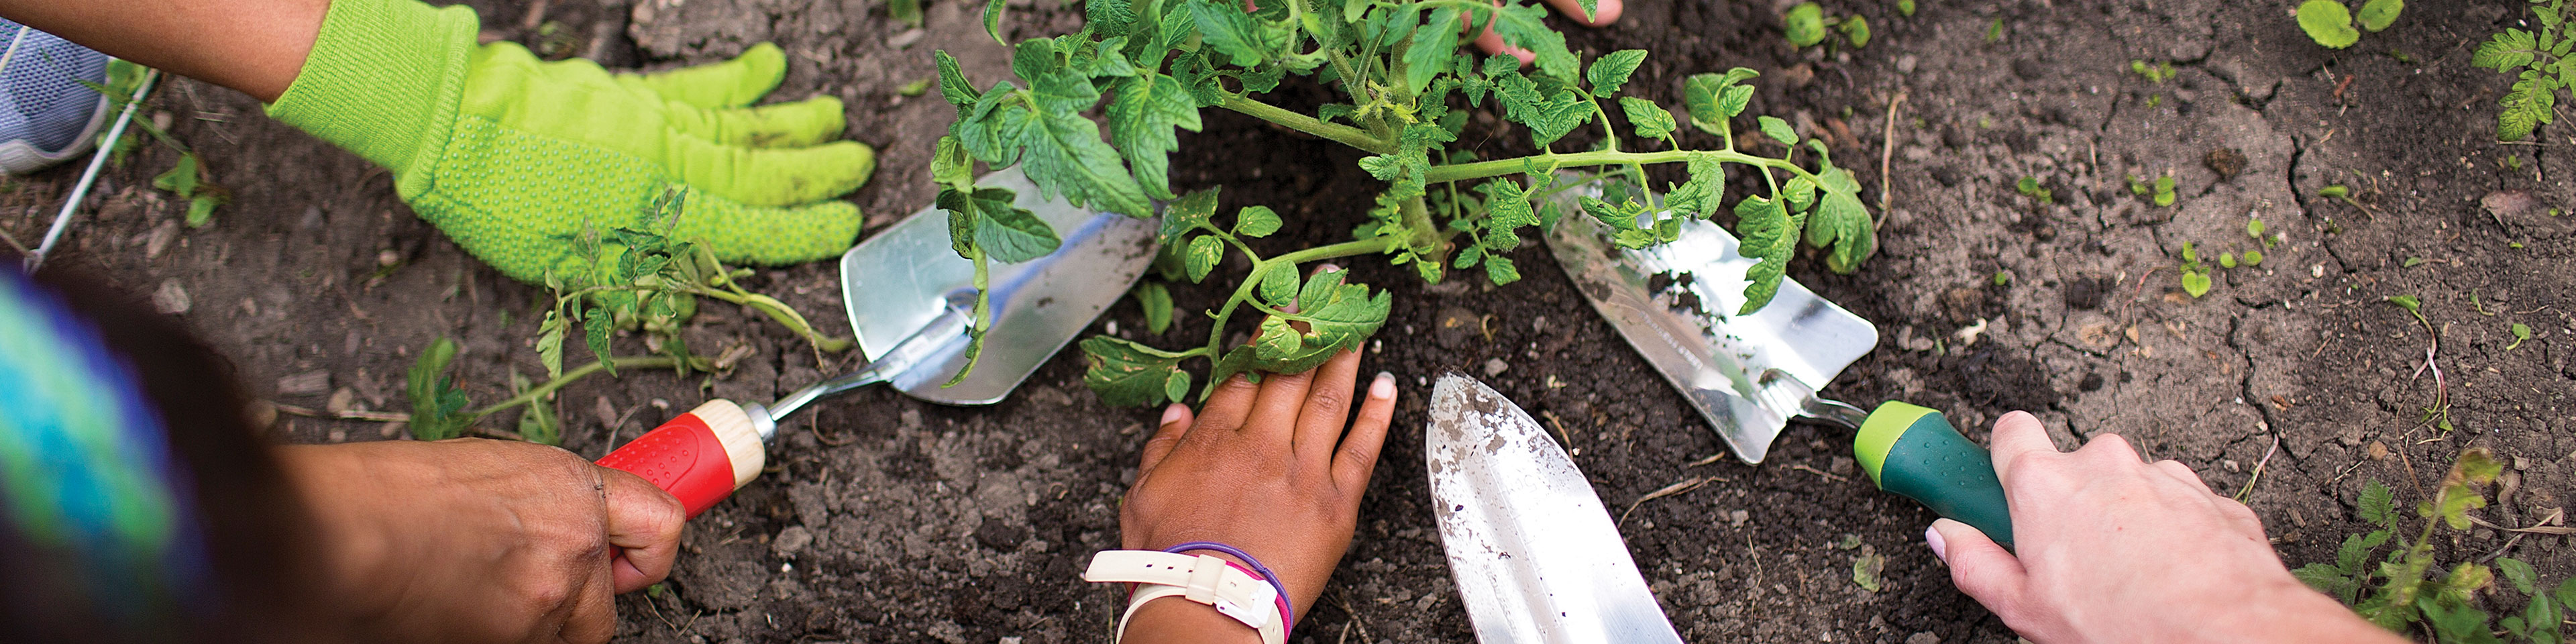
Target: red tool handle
700	457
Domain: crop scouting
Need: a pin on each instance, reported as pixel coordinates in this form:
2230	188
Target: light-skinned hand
1267	468
473	540
2115	549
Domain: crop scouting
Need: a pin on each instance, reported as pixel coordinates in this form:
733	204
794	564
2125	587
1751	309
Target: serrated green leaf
1256	221
595	324
1735	99
1128	374
1062	151
1279	285
1245	40
180	179
1142	117
1500	270
1339	316
1508	210
536	423
1525	26
2505	51
1431	50
1770	235
2526	107
1803	25
952	83
1778	130
1009	234
1844	223
950	165
2328	22
2378	505
1704	192
2323	578
1191	212
2523	577
550	339
1204	252
1611	71
2378	14
1650	120
1156	300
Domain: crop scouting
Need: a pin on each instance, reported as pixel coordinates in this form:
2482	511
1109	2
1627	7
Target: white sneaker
47	115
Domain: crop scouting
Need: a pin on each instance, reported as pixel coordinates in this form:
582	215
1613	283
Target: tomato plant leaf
1204	252
1256	221
1148	107
1279	285
1778	130
993	20
1649	119
1156	300
1770	235
1127	374
1008	233
1612	70
1431	50
1500	270
1842	222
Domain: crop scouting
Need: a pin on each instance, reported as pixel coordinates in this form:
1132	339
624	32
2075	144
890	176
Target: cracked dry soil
886	519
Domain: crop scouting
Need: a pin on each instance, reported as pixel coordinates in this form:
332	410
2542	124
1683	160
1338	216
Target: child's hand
1265	468
2115	549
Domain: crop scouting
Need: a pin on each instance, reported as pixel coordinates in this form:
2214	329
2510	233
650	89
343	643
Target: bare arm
255	46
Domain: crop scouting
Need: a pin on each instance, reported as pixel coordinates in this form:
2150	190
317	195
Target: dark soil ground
887	519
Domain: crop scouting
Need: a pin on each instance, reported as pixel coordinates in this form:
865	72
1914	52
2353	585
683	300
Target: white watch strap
1203	579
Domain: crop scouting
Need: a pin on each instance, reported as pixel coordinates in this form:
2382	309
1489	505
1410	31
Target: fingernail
1173	413
1384	387
1941	549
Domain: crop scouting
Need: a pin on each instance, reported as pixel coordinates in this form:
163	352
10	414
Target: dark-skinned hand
1267	468
473	540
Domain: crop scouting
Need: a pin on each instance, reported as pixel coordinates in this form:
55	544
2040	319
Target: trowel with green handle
1749	374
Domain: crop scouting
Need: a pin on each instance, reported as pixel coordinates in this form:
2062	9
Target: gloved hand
513	156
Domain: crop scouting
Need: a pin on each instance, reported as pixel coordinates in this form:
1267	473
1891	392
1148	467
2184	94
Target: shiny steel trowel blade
1535	554
899	281
1676	304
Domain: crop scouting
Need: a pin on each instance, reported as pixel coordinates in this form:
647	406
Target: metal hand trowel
910	299
1536	556
1748	374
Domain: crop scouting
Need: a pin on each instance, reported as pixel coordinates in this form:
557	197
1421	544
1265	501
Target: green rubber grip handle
1914	452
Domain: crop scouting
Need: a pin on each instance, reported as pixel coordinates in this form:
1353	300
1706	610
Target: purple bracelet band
1286	609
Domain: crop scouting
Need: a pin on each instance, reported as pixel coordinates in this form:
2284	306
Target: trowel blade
1676	304
1536	556
899	281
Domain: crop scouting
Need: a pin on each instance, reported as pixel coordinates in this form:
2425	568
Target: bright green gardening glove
513	156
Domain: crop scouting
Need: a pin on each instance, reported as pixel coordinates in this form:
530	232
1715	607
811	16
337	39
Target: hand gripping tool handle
1914	452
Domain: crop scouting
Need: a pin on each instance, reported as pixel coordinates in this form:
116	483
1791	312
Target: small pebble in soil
1738	517
388	257
1495	367
792	540
170	299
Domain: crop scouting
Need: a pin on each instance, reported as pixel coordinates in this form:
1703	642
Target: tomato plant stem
1243	292
1498	167
1345	134
569	375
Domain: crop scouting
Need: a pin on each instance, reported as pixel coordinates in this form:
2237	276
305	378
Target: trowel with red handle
910	300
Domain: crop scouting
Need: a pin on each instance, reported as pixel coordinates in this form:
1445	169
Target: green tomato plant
1148	68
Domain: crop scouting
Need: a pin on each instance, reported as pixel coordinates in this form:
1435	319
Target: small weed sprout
2407	588
1806	25
2029	187
2330	23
